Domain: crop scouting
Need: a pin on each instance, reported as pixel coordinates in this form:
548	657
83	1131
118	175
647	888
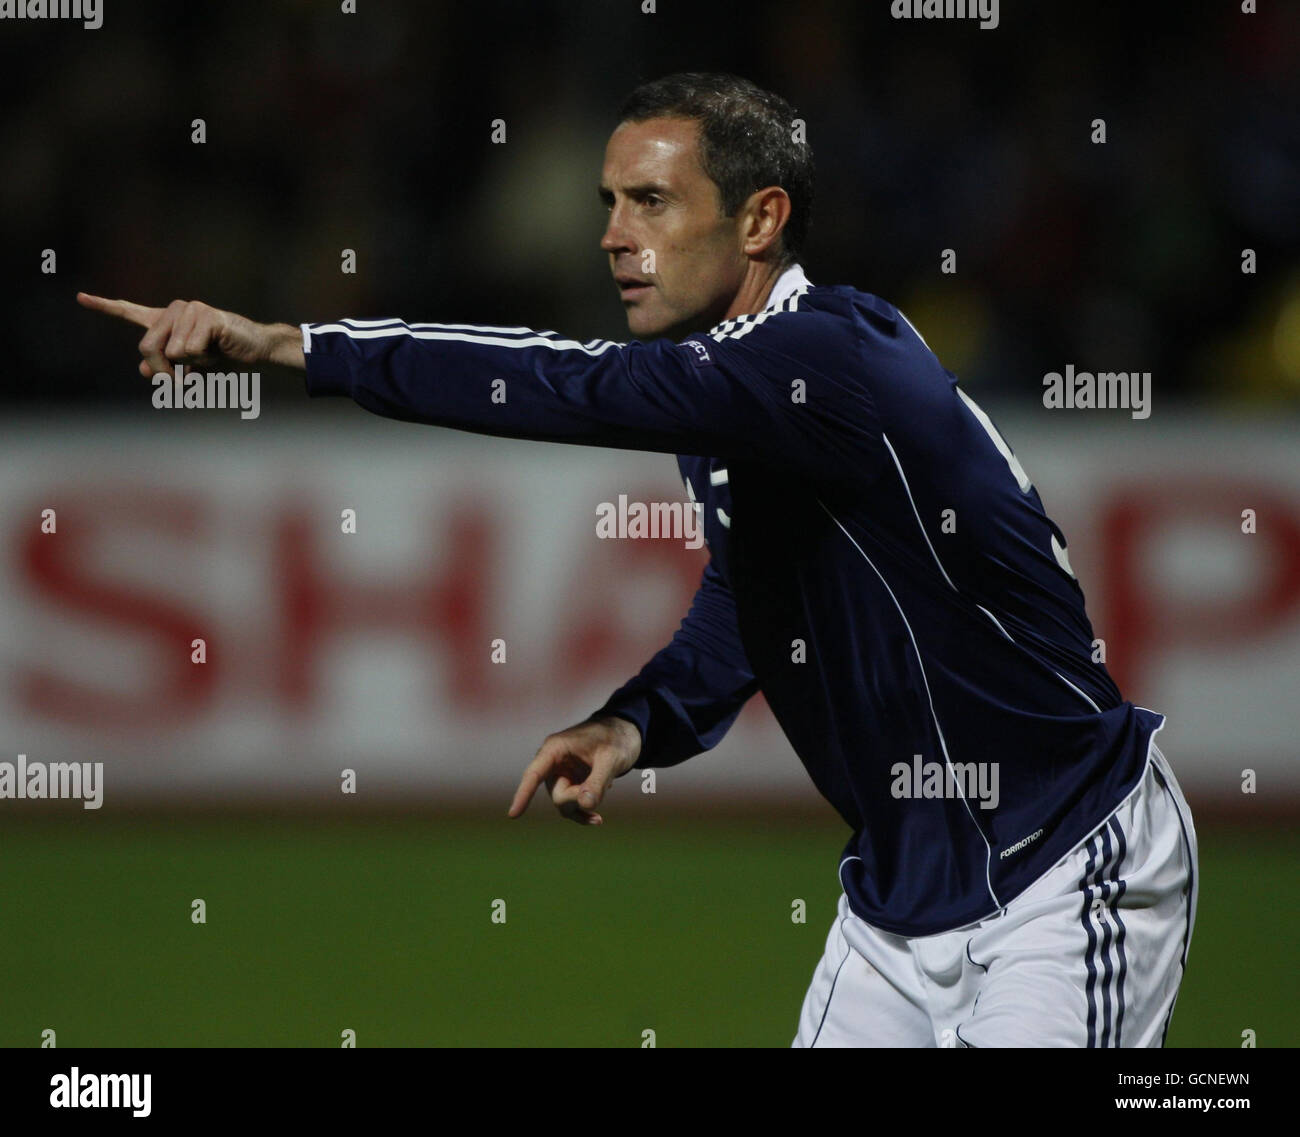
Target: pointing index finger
122	309
524	794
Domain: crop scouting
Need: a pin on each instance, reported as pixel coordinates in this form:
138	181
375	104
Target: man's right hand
189	331
578	766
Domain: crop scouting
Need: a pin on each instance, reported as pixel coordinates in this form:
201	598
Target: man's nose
616	238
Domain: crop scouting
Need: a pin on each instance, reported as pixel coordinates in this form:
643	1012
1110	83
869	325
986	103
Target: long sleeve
686	698
723	394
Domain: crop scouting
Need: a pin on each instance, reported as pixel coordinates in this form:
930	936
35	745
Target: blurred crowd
373	132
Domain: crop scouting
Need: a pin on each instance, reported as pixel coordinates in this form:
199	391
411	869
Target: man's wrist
285	346
629	735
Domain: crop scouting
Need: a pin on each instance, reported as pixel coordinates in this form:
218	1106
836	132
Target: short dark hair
747	141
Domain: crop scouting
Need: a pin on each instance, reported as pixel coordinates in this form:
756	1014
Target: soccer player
1022	869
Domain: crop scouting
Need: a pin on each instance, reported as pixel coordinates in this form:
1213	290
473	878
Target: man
1023	866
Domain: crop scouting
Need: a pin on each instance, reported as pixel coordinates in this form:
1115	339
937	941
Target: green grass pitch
384	926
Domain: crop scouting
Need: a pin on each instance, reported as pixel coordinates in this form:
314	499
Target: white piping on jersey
1078	691
397	324
916	513
988	859
997	623
369	329
914	331
532	339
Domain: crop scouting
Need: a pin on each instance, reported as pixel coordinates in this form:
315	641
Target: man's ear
765	213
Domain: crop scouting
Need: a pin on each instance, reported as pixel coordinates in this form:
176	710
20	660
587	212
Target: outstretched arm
753	391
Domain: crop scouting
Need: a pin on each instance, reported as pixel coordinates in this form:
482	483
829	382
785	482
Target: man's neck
751	296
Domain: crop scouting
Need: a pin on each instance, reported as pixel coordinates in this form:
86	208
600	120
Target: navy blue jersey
881	568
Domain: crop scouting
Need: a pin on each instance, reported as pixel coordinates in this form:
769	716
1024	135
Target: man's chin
650	326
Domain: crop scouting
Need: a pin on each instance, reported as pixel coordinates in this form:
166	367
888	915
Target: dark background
372	132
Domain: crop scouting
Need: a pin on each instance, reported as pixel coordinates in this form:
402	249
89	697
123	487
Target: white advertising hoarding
475	609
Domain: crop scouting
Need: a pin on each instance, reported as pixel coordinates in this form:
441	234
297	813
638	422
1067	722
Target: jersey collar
786	283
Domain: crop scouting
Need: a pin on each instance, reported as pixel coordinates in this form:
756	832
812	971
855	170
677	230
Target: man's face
661	201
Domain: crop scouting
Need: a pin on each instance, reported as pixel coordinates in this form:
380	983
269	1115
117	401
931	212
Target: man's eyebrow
637	191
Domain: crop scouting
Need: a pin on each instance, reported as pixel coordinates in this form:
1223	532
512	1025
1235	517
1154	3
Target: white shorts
1091	954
